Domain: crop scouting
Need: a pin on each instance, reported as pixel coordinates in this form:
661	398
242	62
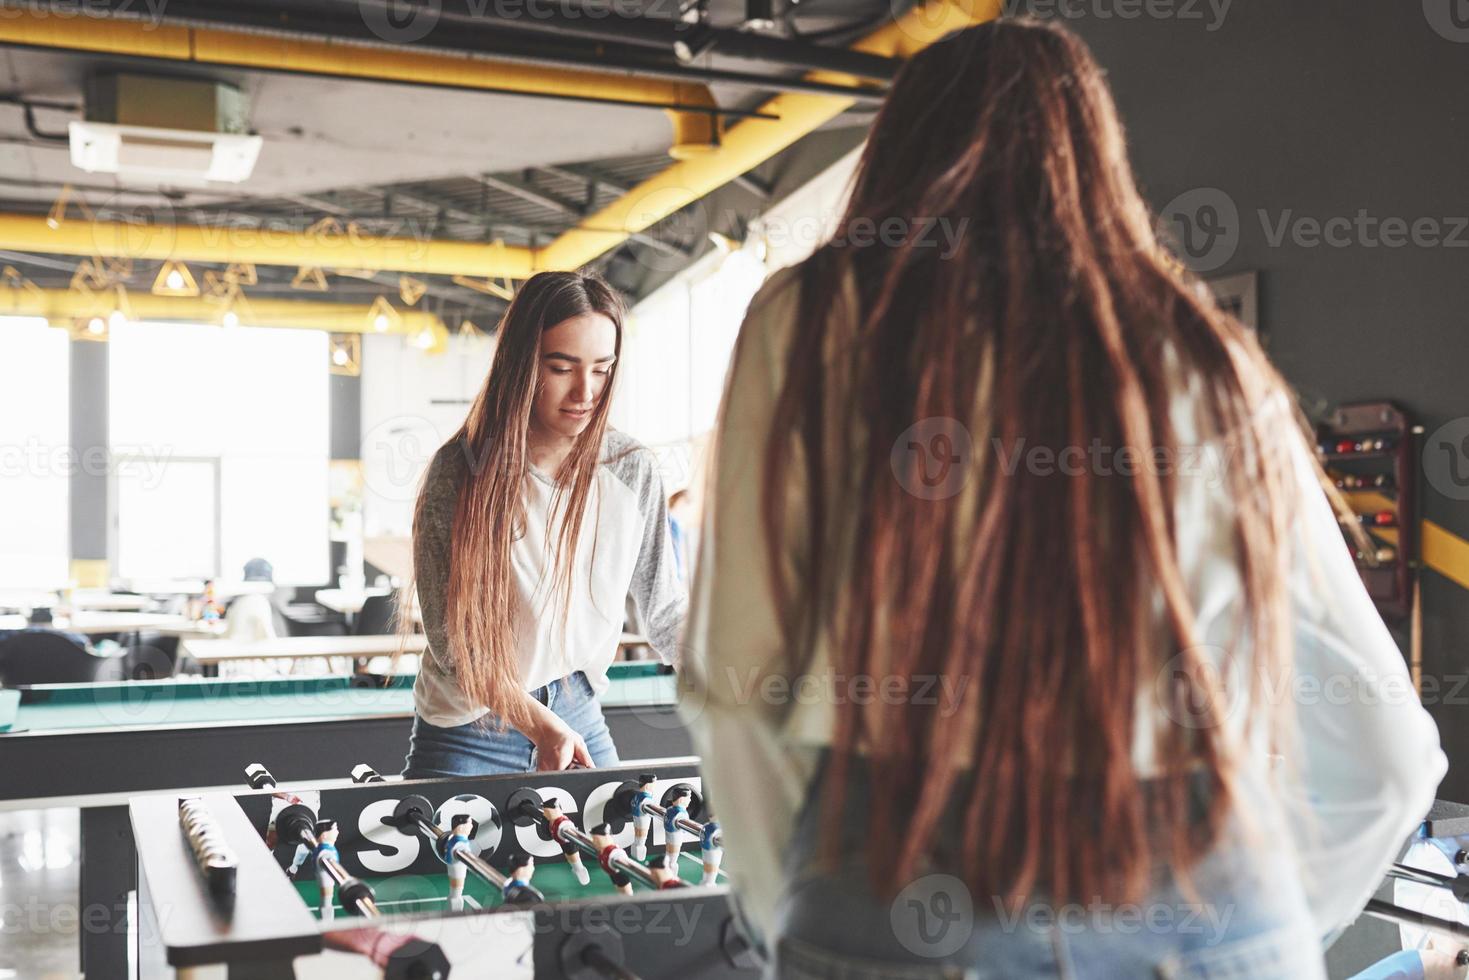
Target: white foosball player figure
461	829
607	853
641	818
551	810
677	809
326	846
711	850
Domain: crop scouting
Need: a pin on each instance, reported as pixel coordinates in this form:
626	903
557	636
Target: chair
377	615
40	656
139	663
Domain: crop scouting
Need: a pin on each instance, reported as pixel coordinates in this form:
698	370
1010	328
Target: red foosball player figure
461	829
710	849
517	890
607	851
326	846
665	871
677	809
641	818
555	819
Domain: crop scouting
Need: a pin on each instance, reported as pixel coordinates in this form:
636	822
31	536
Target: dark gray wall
1321	110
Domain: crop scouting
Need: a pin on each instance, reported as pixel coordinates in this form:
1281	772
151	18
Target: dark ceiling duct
637	59
666	36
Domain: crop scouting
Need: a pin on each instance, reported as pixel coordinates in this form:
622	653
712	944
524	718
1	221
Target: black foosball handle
585	956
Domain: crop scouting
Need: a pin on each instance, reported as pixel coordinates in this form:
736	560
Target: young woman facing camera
535	523
1048	706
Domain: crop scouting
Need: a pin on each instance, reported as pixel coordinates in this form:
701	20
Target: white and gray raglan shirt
625	550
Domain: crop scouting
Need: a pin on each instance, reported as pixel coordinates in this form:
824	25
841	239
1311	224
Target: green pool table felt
190	701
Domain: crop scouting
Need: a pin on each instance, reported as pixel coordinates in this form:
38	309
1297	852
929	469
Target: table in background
212	653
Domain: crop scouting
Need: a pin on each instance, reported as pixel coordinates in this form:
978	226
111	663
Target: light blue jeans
1248	922
479	749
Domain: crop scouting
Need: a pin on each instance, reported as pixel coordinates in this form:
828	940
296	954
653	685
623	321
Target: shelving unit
1370	451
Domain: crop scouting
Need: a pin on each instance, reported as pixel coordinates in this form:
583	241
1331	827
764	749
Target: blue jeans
1249	921
479	749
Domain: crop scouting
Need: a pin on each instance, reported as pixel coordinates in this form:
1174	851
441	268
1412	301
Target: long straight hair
480	610
1055	321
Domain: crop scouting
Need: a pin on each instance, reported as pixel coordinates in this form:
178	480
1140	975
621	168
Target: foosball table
586	873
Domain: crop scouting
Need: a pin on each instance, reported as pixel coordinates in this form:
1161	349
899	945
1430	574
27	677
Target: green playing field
425	893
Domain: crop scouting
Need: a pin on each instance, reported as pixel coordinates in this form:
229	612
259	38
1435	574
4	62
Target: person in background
252	617
680	527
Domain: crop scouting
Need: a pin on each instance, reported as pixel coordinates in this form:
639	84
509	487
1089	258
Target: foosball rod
1412	917
414	810
1418	876
293	824
583	840
688	824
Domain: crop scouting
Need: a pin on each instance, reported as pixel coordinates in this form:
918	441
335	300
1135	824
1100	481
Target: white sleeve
756	782
1369	753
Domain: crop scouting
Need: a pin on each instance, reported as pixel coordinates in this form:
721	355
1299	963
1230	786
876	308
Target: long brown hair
1056	320
490	514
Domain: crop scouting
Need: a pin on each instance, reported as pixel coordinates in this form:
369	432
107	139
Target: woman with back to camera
535	523
1056	734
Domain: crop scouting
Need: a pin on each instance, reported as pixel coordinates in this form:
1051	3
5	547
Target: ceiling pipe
501	46
666	36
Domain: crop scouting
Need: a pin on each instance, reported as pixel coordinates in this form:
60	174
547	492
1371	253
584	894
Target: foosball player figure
461	829
517	890
326	846
551	810
665	872
677	809
642	818
607	849
711	850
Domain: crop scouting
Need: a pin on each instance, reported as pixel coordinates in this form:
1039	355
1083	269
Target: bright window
221	436
35	455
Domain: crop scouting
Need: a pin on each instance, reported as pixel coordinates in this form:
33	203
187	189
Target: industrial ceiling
467	143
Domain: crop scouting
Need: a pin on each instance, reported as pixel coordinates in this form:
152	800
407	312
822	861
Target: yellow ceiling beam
751	142
65	305
263	246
